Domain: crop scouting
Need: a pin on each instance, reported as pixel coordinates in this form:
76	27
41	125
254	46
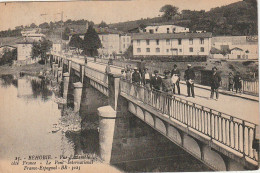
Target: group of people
170	83
235	82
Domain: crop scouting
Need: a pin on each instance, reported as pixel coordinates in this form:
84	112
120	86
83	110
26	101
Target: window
167	50
202	41
157	42
147	49
202	49
138	50
147	42
138	42
191	41
173	30
123	45
191	49
151	31
180	50
127	39
168	30
168	42
123	39
156	29
157	49
179	41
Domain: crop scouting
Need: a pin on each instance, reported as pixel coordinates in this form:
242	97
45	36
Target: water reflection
8	80
39	88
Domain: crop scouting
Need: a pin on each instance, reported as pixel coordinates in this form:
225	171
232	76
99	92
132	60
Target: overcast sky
15	14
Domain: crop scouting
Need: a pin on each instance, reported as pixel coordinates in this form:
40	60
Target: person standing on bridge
156	81
175	76
189	76
238	82
141	67
108	70
167	85
136	78
215	83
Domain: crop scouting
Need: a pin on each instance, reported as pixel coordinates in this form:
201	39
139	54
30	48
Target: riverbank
35	69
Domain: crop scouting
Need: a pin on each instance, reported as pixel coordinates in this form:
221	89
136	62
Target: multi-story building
125	42
113	42
163	44
33	34
166	27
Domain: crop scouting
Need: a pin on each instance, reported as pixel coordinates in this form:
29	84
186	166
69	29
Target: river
29	114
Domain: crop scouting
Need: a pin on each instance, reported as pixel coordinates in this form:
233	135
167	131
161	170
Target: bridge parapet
230	133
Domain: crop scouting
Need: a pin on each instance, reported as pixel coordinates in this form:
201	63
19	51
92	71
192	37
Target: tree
44	25
33	25
8	57
169	11
76	42
102	25
91	42
40	49
66	34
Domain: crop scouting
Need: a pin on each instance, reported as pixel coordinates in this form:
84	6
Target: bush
246	63
42	61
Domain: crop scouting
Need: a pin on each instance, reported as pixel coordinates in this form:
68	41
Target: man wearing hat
215	83
189	76
156	81
136	78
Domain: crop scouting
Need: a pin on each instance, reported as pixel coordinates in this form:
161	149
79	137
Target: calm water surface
28	113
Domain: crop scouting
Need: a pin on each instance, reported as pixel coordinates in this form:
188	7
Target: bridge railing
231	132
97	75
251	87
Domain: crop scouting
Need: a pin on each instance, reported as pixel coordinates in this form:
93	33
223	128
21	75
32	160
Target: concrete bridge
221	141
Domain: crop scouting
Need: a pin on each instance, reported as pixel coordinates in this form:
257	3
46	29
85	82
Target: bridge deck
236	106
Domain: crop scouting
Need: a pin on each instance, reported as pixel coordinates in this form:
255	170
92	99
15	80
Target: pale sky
24	13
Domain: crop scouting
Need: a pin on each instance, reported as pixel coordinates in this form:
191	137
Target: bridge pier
107	116
59	74
77	95
66	79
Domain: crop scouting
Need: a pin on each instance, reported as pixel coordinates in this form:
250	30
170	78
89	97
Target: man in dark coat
238	82
136	78
156	81
176	72
215	83
189	77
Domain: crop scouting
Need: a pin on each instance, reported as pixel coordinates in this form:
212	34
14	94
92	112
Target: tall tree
33	25
40	49
91	42
169	11
66	34
102	24
76	42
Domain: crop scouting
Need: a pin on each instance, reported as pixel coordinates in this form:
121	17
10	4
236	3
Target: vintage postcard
129	86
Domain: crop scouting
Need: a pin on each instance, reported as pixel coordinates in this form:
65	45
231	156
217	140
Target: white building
33	34
165	28
24	50
56	47
146	44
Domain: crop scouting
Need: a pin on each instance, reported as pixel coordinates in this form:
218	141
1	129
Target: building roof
108	31
236	48
148	36
8	46
26	41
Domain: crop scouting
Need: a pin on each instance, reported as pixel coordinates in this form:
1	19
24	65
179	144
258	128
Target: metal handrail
232	132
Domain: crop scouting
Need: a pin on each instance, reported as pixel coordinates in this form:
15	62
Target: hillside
238	18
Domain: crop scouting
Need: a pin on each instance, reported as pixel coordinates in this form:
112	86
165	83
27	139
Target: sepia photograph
129	86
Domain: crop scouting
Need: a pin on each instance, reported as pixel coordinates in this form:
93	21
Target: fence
250	87
232	132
